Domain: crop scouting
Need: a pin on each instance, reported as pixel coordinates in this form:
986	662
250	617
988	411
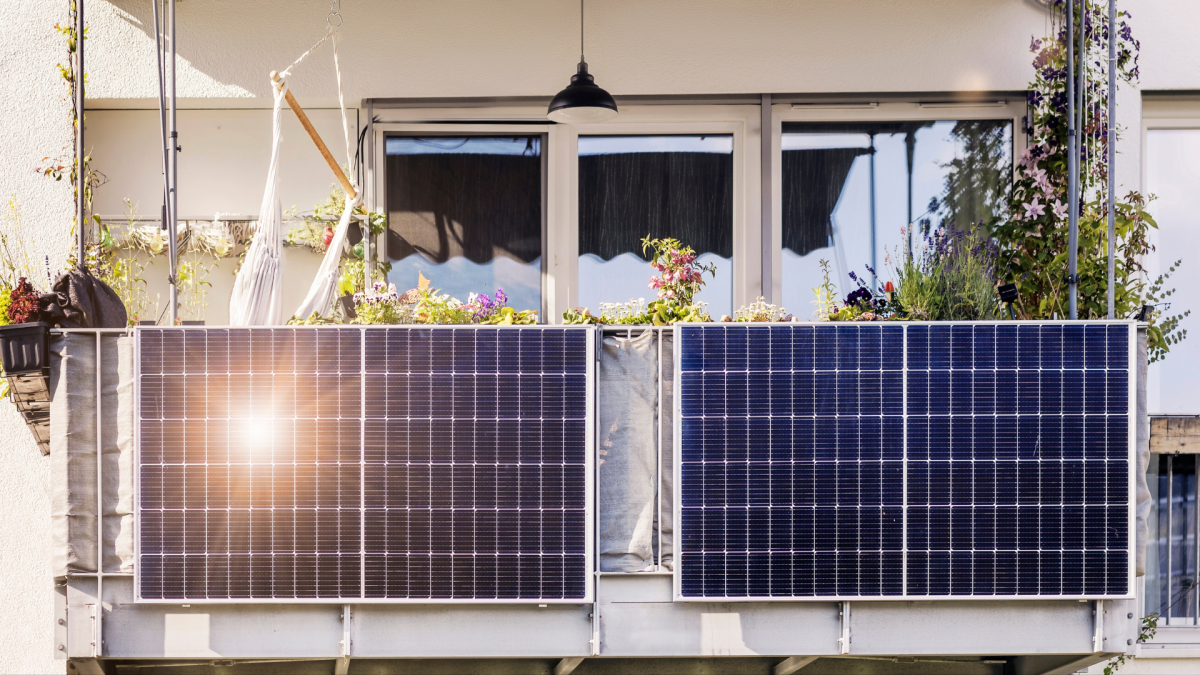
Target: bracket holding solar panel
366	464
892	460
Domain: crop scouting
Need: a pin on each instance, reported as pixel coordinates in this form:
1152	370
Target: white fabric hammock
256	299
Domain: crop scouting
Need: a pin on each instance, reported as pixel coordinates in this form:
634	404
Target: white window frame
560	286
1182	113
377	197
1164	113
885	111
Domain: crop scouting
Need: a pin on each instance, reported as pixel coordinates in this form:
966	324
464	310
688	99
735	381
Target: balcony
959	495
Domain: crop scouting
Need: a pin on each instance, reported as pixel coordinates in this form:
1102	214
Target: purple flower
861	296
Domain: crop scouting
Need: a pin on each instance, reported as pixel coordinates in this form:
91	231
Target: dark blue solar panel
905	459
382	463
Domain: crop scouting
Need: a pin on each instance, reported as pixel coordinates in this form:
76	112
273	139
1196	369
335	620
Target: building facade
732	91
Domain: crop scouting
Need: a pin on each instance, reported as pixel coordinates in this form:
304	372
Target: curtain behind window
624	197
472	205
812	191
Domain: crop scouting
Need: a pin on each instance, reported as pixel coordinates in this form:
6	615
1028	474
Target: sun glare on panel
257	435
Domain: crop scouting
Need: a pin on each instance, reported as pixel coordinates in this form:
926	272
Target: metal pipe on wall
1072	168
1112	163
80	153
162	114
766	134
873	267
173	153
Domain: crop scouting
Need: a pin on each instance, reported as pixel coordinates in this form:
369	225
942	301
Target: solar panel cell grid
448	464
922	460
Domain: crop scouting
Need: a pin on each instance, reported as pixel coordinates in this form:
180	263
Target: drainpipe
1112	162
173	153
80	152
1072	167
873	279
910	147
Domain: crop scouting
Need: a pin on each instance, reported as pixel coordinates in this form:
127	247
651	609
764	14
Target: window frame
1165	111
560	268
377	175
784	109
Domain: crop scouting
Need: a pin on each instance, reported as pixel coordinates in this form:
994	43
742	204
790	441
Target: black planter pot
348	306
25	348
25	353
191	323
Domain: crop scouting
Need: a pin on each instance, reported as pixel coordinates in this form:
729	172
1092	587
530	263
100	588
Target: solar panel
390	464
885	460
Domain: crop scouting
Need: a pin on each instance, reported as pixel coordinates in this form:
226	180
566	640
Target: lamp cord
581	59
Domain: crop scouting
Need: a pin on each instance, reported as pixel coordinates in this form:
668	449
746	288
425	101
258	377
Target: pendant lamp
582	102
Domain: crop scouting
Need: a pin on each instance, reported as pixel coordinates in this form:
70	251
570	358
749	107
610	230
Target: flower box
24	351
24	348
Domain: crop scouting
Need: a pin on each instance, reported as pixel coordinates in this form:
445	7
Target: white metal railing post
98	638
658	475
844	632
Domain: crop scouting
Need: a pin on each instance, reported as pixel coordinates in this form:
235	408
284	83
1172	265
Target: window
849	189
1173	175
1171	551
467	213
661	186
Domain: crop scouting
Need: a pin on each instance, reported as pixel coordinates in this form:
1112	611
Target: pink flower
1060	210
1039	178
1034	209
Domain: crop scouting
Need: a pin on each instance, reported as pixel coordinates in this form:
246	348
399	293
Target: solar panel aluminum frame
590	434
1131	458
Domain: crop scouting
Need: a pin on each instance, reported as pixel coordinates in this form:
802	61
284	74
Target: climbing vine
1034	238
64	165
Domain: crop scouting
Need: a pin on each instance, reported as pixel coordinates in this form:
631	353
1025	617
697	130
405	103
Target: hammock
257	290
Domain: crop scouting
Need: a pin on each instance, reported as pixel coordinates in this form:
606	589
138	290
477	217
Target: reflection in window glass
1171	552
662	186
832	173
467	213
1173	175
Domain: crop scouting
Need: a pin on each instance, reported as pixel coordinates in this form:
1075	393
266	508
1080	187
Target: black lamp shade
582	102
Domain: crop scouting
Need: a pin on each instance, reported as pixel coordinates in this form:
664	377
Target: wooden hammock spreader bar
312	133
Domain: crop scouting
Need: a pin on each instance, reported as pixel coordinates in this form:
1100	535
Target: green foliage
638	313
15	261
5	301
759	311
579	316
122	268
682	277
314	319
1148	628
826	295
439	308
950	279
1038	264
193	287
1034	241
381	306
507	316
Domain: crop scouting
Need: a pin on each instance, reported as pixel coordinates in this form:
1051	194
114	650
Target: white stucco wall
442	48
33	124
